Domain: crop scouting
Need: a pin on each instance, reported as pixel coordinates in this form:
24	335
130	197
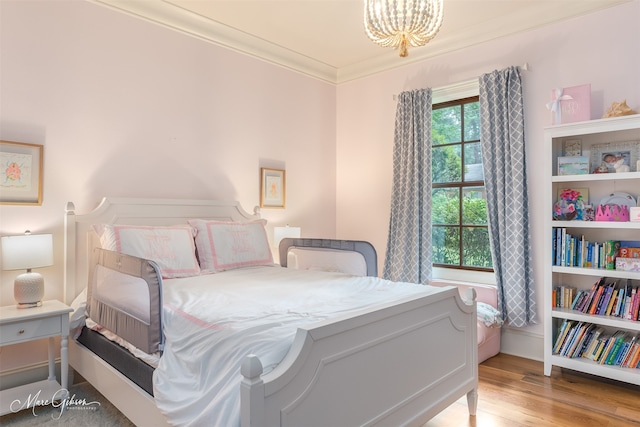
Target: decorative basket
617	213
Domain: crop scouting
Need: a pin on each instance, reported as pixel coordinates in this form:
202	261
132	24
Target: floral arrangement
570	205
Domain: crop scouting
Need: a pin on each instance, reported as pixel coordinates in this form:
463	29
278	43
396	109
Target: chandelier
400	23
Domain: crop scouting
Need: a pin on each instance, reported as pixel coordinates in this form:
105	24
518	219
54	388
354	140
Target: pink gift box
571	104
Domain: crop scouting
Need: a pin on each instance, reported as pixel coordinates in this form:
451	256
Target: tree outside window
460	234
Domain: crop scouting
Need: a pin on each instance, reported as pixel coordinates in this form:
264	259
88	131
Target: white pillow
172	248
489	315
228	245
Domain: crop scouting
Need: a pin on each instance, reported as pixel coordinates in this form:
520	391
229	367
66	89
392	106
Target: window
460	234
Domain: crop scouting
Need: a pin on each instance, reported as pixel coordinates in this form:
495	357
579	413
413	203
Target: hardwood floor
514	392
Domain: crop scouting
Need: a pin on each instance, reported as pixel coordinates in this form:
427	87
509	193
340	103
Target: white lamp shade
27	251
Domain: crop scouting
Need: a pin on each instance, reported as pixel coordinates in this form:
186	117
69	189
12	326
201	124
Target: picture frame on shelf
608	153
573	165
22	166
272	188
572	147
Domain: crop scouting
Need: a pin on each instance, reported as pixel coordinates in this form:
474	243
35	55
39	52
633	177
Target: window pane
473	162
459	208
446	164
472	121
475	247
474	206
446	125
446	245
445	206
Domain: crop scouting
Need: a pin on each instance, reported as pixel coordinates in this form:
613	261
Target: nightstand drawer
30	329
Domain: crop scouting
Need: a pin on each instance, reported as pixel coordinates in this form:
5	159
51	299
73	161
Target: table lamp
26	252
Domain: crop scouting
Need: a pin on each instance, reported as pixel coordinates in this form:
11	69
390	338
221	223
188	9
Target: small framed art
272	188
22	165
572	147
575	165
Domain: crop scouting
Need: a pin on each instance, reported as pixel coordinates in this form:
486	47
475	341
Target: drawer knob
21	331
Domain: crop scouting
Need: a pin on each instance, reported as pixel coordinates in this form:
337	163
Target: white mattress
213	321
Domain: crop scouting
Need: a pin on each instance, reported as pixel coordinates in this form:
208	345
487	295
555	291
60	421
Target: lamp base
28	290
30	304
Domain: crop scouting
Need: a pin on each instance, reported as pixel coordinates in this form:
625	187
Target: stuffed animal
603	168
619	166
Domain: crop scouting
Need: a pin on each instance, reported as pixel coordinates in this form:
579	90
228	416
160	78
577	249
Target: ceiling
325	38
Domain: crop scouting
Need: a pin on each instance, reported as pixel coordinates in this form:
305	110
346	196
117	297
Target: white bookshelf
616	130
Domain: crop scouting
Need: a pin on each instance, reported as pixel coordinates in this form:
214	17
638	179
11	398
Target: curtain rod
460	89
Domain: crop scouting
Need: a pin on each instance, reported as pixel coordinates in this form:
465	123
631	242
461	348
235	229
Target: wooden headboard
79	243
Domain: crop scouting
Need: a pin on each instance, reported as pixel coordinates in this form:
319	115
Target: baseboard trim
517	342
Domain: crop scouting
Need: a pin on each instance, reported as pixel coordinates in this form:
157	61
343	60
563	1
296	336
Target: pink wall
126	108
600	48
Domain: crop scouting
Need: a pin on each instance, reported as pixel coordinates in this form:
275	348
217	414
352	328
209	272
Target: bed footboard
400	364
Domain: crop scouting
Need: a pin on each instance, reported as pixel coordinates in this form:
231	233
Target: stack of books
586	340
605	298
573	251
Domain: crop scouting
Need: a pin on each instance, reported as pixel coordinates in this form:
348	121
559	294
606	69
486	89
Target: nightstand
21	325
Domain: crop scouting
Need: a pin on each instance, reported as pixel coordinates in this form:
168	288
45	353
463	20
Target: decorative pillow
229	245
489	315
172	248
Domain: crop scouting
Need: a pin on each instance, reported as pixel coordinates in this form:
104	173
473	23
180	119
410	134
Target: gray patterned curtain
505	178
408	257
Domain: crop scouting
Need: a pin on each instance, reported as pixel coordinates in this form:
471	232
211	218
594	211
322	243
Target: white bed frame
400	364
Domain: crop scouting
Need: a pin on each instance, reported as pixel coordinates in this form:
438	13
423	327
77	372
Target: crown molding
185	21
182	20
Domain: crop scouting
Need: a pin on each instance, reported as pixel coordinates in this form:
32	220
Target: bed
390	363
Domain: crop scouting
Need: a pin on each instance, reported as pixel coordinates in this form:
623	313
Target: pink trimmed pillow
172	248
229	245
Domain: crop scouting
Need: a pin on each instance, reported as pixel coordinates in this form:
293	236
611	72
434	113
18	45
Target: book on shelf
625	352
634	358
613	348
633	312
562	334
602	342
593	343
597	299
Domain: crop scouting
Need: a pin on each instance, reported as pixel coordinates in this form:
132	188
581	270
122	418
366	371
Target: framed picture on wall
272	188
21	181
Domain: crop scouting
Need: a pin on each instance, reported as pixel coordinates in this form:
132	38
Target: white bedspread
213	321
